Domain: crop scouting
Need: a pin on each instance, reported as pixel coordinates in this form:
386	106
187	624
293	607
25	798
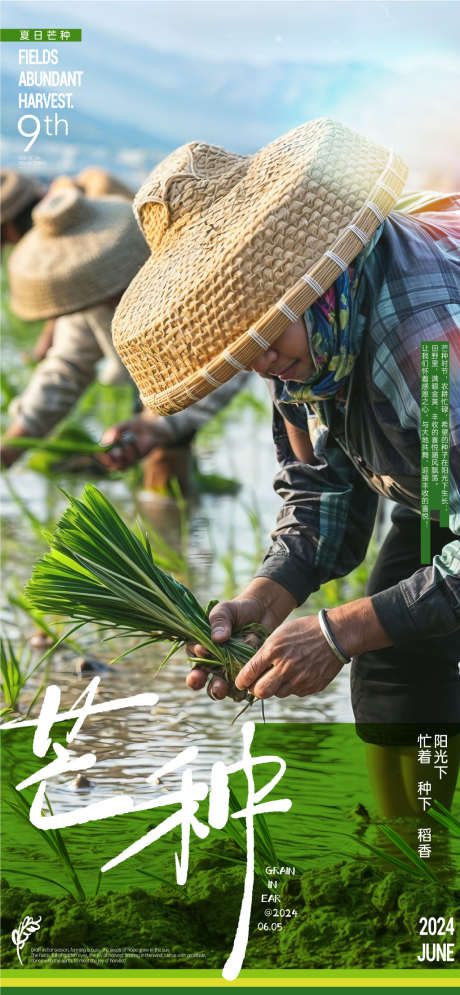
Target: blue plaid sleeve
327	517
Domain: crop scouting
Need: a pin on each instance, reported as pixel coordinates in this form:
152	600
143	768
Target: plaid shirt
410	291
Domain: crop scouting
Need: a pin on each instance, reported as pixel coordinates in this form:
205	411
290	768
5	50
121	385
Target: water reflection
221	548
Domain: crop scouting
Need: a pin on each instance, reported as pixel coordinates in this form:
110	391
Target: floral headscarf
334	328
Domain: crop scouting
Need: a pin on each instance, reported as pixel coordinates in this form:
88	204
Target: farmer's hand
263	601
296	658
134	439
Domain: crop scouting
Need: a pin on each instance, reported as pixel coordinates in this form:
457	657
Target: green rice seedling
39	619
213	483
77	455
98	570
55	840
416	867
14	674
35	522
16	670
442	815
165	556
264	848
60	446
7	391
69	450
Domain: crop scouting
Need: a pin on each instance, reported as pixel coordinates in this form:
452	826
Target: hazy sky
239	73
396	32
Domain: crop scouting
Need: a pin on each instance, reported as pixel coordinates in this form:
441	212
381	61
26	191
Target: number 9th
30	126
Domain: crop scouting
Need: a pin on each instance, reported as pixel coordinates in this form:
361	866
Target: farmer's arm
326	520
426	603
323	530
296	660
59	380
149	430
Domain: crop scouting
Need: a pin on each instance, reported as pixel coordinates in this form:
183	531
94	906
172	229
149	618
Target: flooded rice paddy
221	540
216	543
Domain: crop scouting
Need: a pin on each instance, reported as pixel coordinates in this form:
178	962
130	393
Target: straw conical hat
241	247
63	182
96	182
78	253
16	192
93	182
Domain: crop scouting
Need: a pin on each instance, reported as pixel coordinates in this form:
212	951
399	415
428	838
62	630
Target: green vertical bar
434	436
444	391
425	525
435	486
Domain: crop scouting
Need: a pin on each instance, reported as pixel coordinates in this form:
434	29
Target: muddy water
221	548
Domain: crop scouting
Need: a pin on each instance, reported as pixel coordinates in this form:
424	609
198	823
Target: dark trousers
401	691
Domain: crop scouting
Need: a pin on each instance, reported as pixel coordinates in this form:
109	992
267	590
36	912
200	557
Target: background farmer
79	256
74	263
19	194
287	261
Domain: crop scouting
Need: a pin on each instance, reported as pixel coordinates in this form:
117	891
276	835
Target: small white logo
21	935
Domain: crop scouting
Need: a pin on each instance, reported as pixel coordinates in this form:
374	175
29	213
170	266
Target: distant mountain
84	128
133	98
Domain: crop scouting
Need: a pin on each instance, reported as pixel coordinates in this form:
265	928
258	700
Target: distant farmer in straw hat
74	263
290	263
19	194
94	182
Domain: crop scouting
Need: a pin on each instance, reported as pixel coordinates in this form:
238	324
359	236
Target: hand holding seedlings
134	439
295	659
98	570
263	602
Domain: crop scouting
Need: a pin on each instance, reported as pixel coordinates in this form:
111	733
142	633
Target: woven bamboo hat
241	247
17	191
78	253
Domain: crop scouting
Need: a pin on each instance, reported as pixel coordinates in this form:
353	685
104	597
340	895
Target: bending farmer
294	262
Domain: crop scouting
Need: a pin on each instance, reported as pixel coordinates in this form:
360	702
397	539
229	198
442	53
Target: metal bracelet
326	630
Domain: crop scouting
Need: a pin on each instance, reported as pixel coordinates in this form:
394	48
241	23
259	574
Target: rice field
211	543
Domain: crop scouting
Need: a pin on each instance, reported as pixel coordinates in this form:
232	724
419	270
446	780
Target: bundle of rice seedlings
98	570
